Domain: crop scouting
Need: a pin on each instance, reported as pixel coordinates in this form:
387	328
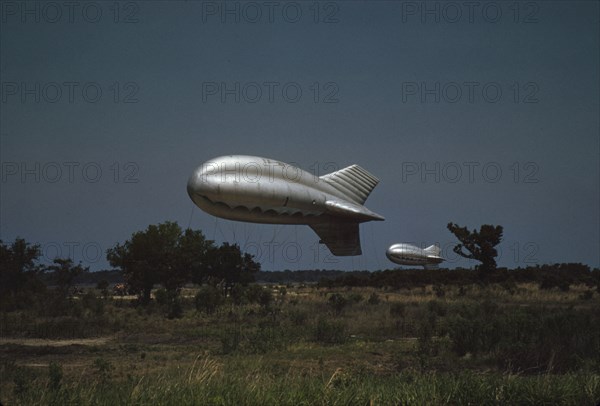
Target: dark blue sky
482	114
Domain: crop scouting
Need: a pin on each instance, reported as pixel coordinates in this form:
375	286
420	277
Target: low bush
208	299
337	303
329	332
533	339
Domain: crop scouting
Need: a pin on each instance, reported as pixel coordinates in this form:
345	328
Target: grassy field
432	345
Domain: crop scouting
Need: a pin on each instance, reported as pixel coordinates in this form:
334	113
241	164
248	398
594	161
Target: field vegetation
299	344
189	327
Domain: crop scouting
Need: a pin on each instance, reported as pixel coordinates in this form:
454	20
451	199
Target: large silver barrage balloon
408	254
261	190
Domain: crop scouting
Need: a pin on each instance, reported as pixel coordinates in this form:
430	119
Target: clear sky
470	112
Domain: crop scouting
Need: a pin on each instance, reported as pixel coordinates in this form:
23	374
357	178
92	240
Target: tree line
167	255
559	276
163	254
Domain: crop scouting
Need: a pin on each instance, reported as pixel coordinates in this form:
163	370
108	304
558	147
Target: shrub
265	298
102	286
231	339
55	374
267	338
528	339
22	381
237	294
329	332
509	285
473	329
439	290
90	302
426	346
355	297
374	299
161	296
282	294
253	293
298	317
438	308
556	341
175	308
208	299
103	369
553	280
337	302
398	310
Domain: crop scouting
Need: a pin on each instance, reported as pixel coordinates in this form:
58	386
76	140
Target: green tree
229	264
19	273
194	255
64	274
102	286
149	257
480	245
209	298
164	254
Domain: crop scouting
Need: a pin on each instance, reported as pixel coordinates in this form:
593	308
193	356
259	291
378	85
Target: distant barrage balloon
408	254
262	190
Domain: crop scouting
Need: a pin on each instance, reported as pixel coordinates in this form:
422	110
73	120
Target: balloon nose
200	184
191	186
393	251
389	253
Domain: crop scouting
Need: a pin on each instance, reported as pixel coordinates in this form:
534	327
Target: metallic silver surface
407	254
261	190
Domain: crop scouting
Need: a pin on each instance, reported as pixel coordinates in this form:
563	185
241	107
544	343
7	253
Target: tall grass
363	347
210	381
